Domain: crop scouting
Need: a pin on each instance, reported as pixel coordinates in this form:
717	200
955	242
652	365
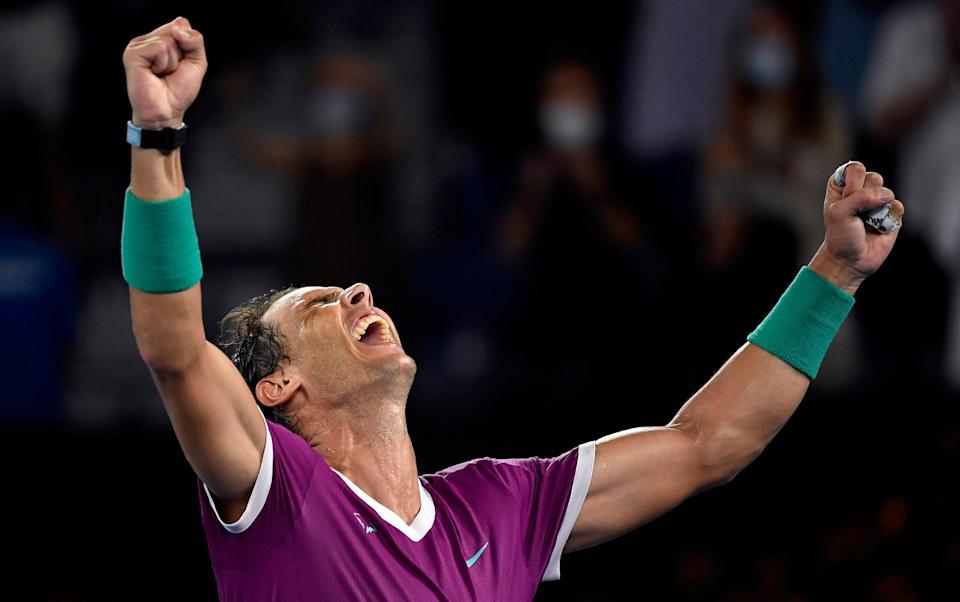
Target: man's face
338	341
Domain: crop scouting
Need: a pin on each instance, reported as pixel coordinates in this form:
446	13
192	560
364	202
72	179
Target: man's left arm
641	473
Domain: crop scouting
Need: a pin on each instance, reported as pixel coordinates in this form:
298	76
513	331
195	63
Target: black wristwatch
164	140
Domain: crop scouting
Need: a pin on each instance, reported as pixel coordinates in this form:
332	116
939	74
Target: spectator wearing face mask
779	133
568	162
574	221
341	159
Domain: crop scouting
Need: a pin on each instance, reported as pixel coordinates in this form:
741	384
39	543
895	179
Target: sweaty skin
348	397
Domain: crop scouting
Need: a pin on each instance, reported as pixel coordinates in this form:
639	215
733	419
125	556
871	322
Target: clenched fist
164	70
851	250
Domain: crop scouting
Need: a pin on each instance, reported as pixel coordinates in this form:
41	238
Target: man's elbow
722	459
164	359
164	365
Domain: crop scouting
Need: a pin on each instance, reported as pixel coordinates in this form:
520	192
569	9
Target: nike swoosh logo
473	559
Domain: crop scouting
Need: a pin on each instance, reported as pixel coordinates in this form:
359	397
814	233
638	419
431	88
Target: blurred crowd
574	214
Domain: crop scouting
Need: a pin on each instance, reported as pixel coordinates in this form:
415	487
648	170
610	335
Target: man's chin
404	361
397	368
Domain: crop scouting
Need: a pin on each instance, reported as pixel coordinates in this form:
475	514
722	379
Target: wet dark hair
256	348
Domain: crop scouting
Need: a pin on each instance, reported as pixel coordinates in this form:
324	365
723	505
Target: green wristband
159	250
802	325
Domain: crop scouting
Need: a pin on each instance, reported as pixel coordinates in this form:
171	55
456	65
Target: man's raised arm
212	410
641	473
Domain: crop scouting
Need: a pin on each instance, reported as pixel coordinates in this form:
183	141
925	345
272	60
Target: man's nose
358	294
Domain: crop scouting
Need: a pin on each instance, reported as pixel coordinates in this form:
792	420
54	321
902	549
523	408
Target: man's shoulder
477	465
502	471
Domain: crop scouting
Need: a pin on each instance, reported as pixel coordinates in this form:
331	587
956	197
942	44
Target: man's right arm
212	411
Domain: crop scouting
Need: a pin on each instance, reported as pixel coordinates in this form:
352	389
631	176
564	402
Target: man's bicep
637	476
217	422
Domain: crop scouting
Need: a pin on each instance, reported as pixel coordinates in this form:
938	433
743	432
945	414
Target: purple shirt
487	530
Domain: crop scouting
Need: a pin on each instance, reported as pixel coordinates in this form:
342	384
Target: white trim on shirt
258	497
578	493
416	530
425	518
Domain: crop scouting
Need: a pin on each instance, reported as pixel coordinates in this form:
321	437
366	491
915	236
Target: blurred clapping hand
569	163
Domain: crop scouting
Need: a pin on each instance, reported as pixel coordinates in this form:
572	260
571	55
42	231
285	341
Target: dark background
554	287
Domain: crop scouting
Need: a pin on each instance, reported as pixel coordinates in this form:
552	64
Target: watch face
133	134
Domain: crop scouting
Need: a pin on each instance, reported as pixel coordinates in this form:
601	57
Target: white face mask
768	64
570	125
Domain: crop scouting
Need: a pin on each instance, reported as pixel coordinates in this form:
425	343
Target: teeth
365	323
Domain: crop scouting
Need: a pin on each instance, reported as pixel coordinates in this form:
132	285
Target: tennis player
324	500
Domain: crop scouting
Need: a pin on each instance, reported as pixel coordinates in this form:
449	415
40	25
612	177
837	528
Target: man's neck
368	442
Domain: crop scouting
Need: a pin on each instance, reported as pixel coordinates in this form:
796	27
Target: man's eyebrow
322	299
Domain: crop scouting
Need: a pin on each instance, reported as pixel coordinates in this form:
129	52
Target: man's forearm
739	411
168	327
736	414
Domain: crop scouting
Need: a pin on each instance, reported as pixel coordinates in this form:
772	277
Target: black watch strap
164	140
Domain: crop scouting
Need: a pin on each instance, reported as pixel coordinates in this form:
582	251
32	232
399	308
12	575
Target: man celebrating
325	502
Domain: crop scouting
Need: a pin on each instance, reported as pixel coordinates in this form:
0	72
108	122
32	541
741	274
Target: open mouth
372	330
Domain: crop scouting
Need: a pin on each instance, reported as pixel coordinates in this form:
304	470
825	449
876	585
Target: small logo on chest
473	559
366	528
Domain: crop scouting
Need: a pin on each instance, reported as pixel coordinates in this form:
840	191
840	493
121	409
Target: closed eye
324	299
331	297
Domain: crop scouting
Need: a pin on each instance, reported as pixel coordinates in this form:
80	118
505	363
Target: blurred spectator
397	41
765	171
782	135
575	232
342	161
912	96
570	162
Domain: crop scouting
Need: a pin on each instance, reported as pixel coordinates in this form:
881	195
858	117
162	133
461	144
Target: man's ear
278	388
